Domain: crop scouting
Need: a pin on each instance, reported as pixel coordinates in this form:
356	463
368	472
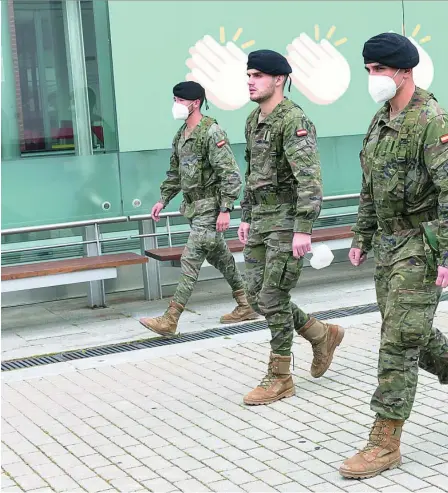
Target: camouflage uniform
204	169
283	195
405	184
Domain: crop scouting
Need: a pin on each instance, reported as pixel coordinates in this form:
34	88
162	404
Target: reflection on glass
42	79
38	78
95	30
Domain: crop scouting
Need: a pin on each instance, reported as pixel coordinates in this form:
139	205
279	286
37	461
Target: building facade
86	125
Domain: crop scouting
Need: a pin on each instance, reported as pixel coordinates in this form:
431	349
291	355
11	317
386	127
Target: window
37	83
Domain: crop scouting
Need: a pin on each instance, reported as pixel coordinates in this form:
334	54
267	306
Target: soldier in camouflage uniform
203	167
404	190
282	199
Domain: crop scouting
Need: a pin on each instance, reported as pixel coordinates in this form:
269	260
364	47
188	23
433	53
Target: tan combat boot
324	339
276	384
242	312
166	325
381	453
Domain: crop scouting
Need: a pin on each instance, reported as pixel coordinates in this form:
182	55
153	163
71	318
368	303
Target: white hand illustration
424	71
221	71
319	71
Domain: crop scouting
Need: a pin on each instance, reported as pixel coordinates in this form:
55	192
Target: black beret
269	62
189	90
392	50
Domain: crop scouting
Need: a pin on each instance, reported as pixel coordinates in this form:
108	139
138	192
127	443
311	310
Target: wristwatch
224	209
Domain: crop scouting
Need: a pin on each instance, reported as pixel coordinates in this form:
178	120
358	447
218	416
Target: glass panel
95	30
60	189
43	86
38	115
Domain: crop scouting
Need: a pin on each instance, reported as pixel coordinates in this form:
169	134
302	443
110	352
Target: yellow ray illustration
237	34
222	37
331	32
416	30
247	44
340	42
425	39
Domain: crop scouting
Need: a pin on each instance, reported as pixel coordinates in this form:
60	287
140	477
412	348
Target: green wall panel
150	47
143	171
50	190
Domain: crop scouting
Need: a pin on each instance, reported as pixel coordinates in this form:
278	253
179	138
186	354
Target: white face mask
382	87
180	111
322	256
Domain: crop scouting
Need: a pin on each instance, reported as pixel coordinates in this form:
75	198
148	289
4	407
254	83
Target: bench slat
71	265
322	234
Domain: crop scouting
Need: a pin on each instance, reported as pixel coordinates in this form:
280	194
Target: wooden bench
60	272
328	235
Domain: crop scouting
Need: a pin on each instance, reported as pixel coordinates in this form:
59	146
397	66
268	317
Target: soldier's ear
407	72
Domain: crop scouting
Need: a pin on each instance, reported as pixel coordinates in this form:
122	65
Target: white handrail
140	217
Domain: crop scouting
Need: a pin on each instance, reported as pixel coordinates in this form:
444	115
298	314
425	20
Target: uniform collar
397	122
193	134
274	113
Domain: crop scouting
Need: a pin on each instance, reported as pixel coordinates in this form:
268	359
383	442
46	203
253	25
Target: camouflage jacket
404	180
282	159
204	169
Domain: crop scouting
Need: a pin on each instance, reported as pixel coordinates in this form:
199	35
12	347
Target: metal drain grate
157	342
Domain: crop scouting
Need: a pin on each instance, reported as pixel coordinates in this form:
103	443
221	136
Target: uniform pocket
291	273
415	315
190	173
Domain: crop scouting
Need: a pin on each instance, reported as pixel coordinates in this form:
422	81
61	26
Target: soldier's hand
356	256
442	277
301	244
243	232
156	211
223	222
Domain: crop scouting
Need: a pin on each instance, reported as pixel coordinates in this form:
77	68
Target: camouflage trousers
271	272
407	297
205	244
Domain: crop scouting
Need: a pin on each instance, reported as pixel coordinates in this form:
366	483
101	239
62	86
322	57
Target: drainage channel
223	331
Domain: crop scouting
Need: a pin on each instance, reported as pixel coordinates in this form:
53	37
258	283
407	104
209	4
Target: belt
402	224
196	195
263	197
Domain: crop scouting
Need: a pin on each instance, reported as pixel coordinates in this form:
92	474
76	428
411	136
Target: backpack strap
406	141
177	138
276	127
201	140
251	125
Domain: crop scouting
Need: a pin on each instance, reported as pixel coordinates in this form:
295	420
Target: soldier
282	199
203	167
404	186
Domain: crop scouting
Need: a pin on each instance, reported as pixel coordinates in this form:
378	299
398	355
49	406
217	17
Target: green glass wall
133	53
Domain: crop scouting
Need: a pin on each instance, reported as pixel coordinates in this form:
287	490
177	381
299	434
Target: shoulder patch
301	133
220	143
444	139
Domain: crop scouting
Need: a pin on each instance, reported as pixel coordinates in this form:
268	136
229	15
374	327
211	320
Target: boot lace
318	350
236	310
270	376
166	316
376	435
318	353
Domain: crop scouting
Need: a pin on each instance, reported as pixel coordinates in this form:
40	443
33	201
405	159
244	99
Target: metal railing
120	219
148	236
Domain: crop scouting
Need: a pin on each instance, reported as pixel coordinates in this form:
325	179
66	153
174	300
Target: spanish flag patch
301	133
444	139
221	143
